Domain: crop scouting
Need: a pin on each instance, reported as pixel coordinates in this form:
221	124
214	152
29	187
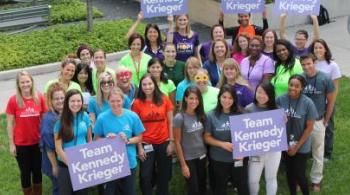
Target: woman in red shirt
24	112
156	113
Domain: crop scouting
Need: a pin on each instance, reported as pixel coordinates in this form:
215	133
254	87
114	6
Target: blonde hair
54	87
99	95
33	93
189	32
230	62
116	91
194	62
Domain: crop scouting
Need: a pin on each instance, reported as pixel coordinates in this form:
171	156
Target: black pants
329	137
122	186
296	167
159	161
196	184
222	171
29	163
64	182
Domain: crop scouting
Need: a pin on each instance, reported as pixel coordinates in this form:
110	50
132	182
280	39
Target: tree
89	17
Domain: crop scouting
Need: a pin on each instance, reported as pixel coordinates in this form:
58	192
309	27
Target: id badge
148	148
255	159
203	156
239	163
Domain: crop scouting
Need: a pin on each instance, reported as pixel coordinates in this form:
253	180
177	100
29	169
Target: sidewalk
336	34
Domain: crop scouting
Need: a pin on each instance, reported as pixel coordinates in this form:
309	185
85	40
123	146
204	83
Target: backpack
323	17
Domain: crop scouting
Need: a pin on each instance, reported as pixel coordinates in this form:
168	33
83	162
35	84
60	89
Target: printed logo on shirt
311	90
184	48
29	112
292	113
224	127
196	126
153	117
126	128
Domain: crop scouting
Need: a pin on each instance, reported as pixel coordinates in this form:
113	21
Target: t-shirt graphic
224	127
184	48
196	126
29	112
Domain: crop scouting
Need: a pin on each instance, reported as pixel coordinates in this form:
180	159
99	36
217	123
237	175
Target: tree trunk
89	17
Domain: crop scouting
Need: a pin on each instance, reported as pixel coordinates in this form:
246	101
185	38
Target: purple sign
97	162
242	6
258	133
297	7
154	8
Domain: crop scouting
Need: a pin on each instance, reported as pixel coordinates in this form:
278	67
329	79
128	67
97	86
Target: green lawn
336	174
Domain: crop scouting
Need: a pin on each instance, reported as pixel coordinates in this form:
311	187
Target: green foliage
69	11
55	42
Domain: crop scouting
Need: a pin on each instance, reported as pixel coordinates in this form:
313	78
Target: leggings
29	163
296	167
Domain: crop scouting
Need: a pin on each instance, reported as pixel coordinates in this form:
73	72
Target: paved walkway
335	33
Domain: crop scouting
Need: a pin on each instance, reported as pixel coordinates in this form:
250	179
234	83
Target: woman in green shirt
136	60
100	63
156	68
286	65
175	69
209	93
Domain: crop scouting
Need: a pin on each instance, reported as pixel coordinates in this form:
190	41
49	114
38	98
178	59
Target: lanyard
218	70
290	117
76	129
314	85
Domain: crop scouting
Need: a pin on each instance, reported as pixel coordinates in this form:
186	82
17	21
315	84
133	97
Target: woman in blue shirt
54	98
126	124
73	128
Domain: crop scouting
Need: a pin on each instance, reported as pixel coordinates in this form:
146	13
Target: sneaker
326	160
316	187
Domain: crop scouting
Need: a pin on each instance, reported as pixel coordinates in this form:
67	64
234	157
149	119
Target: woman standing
153	38
73	128
136	60
269	38
286	65
301	113
185	40
219	52
218	136
68	68
256	67
208	92
240	47
101	67
156	113
325	64
83	76
190	147
173	68
86	55
55	98
24	112
231	75
217	34
127	125
264	100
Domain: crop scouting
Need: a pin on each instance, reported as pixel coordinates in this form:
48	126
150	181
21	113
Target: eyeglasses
58	98
104	83
124	74
201	78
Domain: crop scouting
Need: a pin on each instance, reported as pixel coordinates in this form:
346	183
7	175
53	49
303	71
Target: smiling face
319	51
201	80
182	22
85	56
148	86
155	70
170	52
261	97
58	100
218	34
244	19
308	66
100	60
116	102
106	84
75	103
68	71
82	76
192	71
255	47
282	52
300	41
135	46
192	101
243	43
269	39
226	101
124	78
152	35
220	49
25	84
294	88
230	72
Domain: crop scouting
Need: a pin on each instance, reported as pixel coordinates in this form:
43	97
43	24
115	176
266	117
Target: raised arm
264	18
132	29
315	27
282	27
170	34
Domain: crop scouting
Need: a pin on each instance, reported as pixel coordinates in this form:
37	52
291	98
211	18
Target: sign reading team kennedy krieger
242	6
153	8
258	133
297	7
97	162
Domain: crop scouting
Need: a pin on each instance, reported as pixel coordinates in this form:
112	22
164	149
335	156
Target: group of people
176	96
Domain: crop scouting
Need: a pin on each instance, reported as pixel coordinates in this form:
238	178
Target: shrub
52	44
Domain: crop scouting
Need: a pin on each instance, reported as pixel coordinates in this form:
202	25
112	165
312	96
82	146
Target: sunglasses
110	82
201	78
124	74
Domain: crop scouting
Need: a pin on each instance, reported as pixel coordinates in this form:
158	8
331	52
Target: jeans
270	162
159	161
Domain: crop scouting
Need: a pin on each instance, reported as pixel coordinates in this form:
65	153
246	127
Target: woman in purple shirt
231	75
185	40
256	67
269	38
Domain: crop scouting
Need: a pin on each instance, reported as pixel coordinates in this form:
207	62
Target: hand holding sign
154	8
227	146
297	7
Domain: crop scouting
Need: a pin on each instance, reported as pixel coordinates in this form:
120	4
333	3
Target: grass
336	175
